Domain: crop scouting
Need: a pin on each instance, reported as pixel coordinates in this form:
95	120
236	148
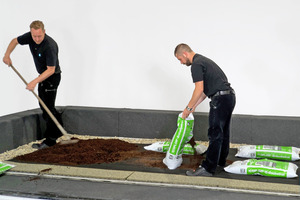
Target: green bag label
267	167
274	152
274	148
166	146
183	133
188	149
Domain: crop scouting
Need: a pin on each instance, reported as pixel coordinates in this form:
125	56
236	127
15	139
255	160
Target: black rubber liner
220	173
145	164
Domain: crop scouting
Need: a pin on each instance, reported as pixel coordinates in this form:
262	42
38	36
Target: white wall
119	53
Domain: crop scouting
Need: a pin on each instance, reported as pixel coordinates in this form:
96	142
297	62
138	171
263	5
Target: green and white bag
268	151
263	167
182	135
4	167
187	149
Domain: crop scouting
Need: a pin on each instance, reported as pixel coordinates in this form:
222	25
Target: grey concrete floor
29	186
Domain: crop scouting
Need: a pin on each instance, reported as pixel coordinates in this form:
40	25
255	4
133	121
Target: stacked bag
265	165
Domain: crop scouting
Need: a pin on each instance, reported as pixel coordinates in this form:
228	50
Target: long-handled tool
59	126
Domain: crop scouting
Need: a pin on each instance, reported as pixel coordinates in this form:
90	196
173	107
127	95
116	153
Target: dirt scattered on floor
45	171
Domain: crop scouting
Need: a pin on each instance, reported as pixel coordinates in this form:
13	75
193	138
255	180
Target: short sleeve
51	57
24	39
197	72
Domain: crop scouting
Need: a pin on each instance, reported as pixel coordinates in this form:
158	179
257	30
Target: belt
220	93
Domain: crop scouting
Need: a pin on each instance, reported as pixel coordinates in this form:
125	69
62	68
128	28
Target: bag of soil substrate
187	149
4	167
182	135
263	167
267	151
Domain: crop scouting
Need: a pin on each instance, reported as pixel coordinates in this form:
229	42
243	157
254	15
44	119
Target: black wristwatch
188	108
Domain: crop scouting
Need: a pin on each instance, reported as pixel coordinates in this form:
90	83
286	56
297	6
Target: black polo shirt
206	70
44	54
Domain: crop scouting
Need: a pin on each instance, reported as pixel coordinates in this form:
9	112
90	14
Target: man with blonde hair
45	55
210	81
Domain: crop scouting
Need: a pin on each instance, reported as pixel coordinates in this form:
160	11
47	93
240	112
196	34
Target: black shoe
221	166
39	146
201	171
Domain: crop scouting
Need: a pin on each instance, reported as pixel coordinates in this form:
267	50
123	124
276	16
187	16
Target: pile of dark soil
98	151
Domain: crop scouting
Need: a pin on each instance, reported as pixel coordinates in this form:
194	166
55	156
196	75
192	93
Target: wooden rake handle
59	126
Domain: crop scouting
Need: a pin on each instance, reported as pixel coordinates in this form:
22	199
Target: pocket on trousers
213	104
48	86
50	90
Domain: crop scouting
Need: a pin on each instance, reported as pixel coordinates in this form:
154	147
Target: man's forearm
203	96
195	98
41	78
197	95
12	45
46	74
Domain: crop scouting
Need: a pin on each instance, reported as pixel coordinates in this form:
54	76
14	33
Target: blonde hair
37	25
182	48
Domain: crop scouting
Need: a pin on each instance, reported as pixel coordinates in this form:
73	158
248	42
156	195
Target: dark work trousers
47	92
221	108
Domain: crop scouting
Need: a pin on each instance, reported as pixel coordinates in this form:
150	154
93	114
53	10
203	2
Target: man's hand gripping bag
182	136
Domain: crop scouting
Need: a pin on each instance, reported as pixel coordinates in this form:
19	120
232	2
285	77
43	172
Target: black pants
221	108
47	92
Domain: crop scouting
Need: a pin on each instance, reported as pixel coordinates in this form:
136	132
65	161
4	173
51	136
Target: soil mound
97	151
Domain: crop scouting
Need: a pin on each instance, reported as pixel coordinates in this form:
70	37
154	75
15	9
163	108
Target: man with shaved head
210	81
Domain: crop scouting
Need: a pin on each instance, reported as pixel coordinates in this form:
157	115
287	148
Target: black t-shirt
44	54
206	70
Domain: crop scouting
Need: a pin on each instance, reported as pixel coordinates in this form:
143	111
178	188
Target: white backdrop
119	53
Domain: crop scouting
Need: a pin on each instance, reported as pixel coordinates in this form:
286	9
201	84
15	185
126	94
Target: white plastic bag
182	135
263	167
187	149
268	151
